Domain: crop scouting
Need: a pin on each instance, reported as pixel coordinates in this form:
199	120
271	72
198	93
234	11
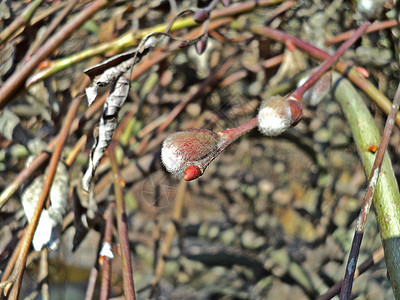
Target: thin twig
30	230
365	133
375	258
106	269
131	39
44	273
53	25
11	262
122	219
177	214
371	28
367	202
20	21
354	76
17	79
94	271
298	93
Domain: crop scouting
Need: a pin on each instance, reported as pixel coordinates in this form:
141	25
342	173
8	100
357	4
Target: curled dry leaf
49	227
109	76
113	68
107	126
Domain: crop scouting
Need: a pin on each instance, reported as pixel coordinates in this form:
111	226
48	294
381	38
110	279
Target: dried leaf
107	126
49	227
294	62
112	69
7	60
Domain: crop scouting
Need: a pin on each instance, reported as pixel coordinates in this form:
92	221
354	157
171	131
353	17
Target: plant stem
386	197
18	78
299	92
131	39
106	270
30	230
53	25
231	134
371	28
362	218
122	219
228	136
376	257
343	68
172	228
19	21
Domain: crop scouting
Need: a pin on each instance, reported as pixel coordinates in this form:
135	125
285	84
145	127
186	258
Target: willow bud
201	45
277	114
201	15
183	149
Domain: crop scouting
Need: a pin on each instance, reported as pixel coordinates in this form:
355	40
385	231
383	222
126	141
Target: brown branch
376	257
30	230
177	214
53	25
20	21
371	28
18	78
122	219
354	76
106	270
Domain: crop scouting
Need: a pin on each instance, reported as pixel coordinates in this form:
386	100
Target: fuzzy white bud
274	116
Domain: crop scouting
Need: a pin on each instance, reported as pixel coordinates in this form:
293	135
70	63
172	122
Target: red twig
343	68
371	28
298	93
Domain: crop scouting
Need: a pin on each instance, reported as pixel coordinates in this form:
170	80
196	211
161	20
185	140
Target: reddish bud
183	149
201	15
277	114
201	45
192	173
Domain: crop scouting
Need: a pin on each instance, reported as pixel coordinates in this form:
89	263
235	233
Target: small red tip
192	173
362	71
44	64
290	46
